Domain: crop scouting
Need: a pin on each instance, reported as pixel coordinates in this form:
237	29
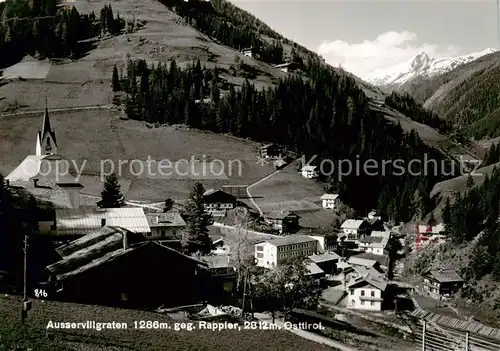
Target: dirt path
63	109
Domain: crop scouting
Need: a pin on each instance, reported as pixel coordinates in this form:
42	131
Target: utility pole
244	295
26	306
250	292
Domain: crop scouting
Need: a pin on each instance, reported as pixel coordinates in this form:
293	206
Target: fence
432	337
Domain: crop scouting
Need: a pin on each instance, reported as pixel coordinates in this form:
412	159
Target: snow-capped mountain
420	66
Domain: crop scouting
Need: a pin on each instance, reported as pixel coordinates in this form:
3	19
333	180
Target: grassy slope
95	135
130	339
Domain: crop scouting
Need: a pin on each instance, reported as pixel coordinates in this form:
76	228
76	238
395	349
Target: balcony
371	298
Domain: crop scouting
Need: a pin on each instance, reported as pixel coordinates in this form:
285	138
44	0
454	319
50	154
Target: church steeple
46	138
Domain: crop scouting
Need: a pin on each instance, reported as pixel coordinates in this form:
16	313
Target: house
329	201
378	233
45	175
217	241
367	292
374	244
381	265
272	252
82	221
326	261
279	164
283	221
165	225
269	151
314	270
442	282
250	52
285	67
219	265
327	240
217	202
309	172
354	228
112	265
374	216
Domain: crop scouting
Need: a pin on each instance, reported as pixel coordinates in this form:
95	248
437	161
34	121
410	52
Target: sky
364	36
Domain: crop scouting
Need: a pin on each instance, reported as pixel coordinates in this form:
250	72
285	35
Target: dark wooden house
218	202
442	282
115	267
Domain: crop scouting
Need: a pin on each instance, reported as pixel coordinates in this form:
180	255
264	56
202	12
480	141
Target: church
47	175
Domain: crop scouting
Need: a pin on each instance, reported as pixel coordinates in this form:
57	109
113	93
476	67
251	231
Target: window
52	227
352	291
260	255
362	293
373	293
372	303
362	301
261	248
163	232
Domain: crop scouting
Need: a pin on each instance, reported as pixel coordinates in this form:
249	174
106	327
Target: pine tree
169	204
115	80
111	196
198	220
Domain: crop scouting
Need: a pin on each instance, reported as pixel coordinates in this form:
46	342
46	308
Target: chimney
125	240
103	222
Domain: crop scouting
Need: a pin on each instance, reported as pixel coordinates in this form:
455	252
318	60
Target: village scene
356	264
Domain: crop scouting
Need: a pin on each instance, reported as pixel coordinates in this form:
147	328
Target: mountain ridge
422	65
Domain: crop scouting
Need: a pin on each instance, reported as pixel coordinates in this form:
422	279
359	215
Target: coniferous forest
41	27
329	118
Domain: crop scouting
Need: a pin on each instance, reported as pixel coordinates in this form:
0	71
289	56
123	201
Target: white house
248	52
309	172
165	225
329	201
367	292
374	244
271	252
373	215
354	228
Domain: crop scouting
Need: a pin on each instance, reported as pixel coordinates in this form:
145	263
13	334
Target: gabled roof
308	168
384	234
217	261
378	242
445	276
352	223
95	249
283	65
383	260
329	197
361	261
279	163
280	214
290	239
267	146
313	268
376	281
212	191
83	221
165	219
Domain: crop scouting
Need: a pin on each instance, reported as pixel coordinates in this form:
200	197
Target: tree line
43	28
330	118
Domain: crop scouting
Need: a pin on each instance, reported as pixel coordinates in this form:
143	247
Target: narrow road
305	334
63	109
234	227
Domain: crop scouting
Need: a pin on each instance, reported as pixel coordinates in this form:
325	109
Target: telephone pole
25	292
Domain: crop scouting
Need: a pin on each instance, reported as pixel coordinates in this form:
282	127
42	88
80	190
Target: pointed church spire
46	128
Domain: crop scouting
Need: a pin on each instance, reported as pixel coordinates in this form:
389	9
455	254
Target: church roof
46	127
